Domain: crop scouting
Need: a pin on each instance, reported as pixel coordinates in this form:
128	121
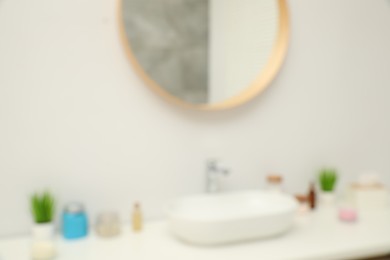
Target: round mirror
205	54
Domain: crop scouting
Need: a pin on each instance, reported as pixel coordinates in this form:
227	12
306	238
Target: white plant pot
327	199
43	232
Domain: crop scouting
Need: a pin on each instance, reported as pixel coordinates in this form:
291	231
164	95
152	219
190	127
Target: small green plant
43	207
328	179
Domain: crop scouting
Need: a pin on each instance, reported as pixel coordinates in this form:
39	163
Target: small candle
108	224
43	250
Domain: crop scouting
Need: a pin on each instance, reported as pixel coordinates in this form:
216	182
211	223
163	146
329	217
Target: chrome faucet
213	176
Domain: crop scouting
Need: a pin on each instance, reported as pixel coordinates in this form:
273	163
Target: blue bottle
74	221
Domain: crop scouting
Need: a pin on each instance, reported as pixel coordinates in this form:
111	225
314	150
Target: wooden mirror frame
271	69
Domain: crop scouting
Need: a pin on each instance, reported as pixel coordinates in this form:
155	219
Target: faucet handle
212	164
225	171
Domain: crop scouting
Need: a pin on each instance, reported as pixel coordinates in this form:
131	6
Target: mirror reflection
201	51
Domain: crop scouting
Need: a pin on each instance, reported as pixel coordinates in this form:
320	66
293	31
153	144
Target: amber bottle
137	218
312	196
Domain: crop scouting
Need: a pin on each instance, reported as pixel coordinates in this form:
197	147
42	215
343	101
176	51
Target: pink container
347	215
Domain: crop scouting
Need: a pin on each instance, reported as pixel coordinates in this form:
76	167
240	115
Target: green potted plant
43	211
328	180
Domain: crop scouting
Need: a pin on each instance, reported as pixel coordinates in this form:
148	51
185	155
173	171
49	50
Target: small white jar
275	182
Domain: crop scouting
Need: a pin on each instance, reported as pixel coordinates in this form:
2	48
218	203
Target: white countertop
316	236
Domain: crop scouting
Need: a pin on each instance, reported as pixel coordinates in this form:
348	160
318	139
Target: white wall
76	119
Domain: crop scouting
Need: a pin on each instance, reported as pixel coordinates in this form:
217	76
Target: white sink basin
213	219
